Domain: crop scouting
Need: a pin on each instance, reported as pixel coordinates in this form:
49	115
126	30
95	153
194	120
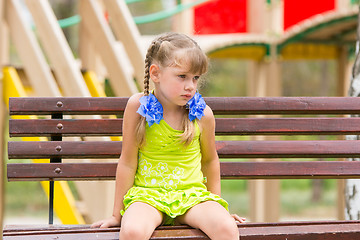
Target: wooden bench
294	116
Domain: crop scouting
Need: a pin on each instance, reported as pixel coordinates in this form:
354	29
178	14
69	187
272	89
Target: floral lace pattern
160	175
152	110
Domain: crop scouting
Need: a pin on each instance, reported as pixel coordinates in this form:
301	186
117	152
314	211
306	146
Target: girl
169	171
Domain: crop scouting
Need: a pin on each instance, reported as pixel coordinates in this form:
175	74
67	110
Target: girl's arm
127	165
210	163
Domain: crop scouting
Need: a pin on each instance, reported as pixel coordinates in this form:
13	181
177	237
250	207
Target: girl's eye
196	78
182	76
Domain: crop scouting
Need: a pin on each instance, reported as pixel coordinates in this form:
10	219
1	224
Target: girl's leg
139	221
212	219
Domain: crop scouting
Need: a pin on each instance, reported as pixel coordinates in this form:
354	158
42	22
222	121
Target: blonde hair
173	49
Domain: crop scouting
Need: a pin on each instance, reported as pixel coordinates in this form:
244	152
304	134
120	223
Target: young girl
169	170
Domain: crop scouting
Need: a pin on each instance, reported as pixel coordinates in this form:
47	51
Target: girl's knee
139	221
227	229
133	233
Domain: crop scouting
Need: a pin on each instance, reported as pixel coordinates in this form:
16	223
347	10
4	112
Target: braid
146	77
140	128
148	61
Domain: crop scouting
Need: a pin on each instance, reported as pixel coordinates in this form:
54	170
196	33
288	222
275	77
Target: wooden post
343	83
3	113
57	49
344	72
264	81
341	5
105	44
257	15
184	21
273	89
29	51
264	194
4	36
90	59
3	60
127	32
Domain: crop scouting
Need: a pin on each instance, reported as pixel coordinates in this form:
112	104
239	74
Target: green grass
298	202
25	199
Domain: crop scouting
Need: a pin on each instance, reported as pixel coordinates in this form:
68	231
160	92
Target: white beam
57	49
29	51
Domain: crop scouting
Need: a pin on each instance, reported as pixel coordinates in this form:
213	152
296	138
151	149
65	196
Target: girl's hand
238	219
106	223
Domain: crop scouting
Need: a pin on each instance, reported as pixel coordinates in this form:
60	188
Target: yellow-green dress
168	175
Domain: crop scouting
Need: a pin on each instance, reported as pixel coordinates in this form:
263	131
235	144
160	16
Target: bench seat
332	230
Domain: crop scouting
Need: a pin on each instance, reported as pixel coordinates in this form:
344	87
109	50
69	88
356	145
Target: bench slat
64	149
15	229
224	126
65	127
283	105
229	170
220	105
225	149
67	105
266	231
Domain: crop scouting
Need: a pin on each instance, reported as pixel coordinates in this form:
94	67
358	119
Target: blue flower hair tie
196	106
152	110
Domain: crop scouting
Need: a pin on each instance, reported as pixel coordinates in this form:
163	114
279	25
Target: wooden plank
220	105
65	127
57	49
61	171
224	126
127	32
29	51
229	170
105	43
288	149
225	149
64	149
287	126
290	170
270	231
4	57
67	105
15	229
284	105
4	39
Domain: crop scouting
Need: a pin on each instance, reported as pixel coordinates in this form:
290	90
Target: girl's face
174	84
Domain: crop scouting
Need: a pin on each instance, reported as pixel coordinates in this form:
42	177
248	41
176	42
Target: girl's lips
187	95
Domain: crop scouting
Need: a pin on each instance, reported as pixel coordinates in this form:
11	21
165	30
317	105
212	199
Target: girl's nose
189	85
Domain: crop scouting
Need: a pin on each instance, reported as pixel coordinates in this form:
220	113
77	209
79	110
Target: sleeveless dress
168	175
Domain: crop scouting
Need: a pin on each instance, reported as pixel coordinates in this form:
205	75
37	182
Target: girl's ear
154	72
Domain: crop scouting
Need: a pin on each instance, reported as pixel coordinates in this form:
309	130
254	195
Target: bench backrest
66	122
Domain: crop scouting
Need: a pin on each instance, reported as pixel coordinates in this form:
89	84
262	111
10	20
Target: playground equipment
262	32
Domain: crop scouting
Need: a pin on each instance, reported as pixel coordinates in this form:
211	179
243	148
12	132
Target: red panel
221	16
296	11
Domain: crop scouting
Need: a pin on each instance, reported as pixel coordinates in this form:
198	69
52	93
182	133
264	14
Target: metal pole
51	182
